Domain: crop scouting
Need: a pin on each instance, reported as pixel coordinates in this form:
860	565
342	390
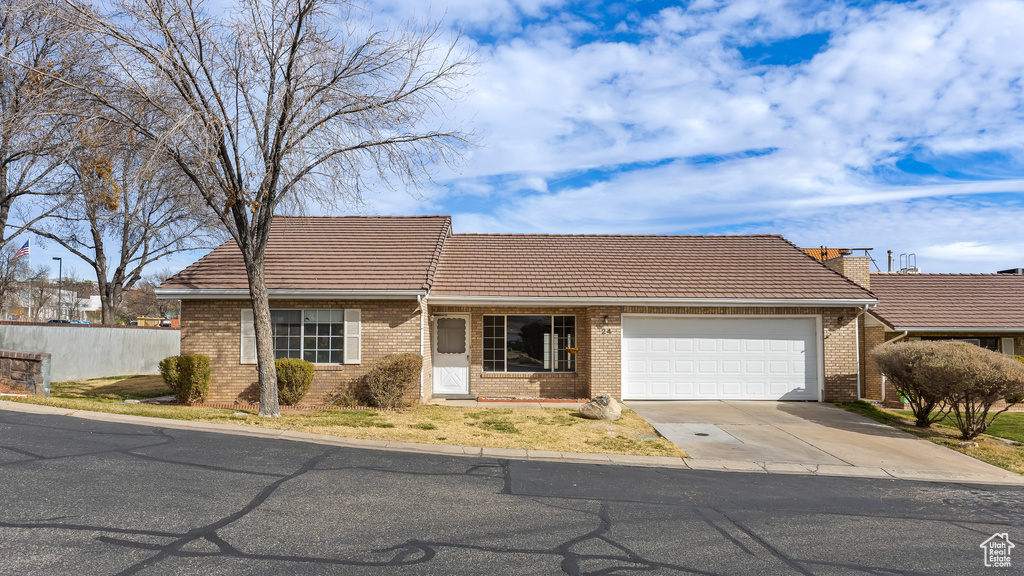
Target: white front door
451	354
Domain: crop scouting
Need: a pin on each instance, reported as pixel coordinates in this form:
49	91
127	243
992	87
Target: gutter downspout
419	303
900	337
856	335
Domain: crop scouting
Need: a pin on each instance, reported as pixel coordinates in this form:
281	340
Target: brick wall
606	350
856	268
599	363
428	365
28	371
213	328
870	375
518	384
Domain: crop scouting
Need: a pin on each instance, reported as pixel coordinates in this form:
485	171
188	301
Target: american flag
23	251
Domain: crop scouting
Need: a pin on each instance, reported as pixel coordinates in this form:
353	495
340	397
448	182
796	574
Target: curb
520	454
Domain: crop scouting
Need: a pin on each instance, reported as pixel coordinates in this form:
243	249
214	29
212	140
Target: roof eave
456	300
958	329
296	294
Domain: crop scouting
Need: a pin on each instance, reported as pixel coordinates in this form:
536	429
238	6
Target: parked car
60	321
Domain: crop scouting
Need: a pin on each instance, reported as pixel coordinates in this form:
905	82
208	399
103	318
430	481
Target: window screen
451	335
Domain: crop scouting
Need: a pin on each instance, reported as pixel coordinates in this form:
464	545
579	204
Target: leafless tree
276	101
123	209
12	271
42	293
37	56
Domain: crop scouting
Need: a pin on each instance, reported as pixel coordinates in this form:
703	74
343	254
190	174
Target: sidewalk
516	454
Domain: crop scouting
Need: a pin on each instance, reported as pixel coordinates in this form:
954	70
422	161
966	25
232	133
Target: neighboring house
822	254
651	317
984	309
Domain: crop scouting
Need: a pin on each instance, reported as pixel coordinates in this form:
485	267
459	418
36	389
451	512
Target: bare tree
36	53
275	101
12	270
42	293
123	210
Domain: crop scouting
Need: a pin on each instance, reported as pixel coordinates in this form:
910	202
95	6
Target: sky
887	125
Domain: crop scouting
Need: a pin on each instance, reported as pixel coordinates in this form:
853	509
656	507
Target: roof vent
1012	271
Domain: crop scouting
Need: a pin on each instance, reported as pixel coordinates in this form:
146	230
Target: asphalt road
88	497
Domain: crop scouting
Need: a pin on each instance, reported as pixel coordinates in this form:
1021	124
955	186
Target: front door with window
451	354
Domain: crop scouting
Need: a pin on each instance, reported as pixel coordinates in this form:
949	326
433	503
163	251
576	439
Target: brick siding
856	268
213	328
599	362
521	384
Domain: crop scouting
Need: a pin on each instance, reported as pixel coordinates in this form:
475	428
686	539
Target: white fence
82	351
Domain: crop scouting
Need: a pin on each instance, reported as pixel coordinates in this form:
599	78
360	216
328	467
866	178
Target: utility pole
60	282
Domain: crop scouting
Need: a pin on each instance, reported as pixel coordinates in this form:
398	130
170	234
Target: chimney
856	268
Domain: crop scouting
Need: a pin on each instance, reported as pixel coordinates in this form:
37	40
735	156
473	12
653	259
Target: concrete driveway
808	436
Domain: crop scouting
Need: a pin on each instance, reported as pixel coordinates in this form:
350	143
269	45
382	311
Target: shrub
390	377
169	372
193	380
900	363
294	379
975	379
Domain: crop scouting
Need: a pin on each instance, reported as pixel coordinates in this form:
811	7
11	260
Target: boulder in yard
602	407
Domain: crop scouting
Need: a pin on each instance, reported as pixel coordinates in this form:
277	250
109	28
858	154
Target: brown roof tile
331	253
516	265
830	253
949	300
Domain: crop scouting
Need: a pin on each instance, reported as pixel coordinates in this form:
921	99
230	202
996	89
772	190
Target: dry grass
1009	456
119	388
560	429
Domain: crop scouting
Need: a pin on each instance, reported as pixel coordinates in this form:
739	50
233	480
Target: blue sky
893	125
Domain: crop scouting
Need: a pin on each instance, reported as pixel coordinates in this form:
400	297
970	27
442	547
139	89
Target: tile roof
331	253
949	300
830	253
514	265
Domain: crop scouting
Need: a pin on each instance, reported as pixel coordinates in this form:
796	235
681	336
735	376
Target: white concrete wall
80	352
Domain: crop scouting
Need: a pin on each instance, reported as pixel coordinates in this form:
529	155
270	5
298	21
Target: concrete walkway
815	437
998	477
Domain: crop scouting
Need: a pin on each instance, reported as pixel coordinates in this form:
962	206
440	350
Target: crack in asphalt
577	555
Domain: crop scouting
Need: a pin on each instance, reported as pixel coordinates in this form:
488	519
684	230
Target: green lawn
113	388
1009	425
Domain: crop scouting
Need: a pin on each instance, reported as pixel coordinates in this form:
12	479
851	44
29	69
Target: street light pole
60	282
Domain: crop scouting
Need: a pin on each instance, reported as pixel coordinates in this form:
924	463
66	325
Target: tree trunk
265	368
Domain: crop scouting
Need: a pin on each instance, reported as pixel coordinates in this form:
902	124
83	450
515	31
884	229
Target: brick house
984	309
509	315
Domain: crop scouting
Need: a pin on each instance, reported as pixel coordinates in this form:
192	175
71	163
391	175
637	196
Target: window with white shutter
353	336
1008	346
247	346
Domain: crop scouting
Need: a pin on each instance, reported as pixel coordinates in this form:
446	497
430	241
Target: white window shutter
353	336
247	346
1008	346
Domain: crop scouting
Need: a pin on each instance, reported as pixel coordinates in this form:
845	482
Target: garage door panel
682	345
742	358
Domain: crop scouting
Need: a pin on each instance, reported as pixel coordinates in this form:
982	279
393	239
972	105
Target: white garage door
719	358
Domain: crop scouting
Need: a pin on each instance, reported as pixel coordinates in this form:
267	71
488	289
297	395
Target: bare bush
391	376
974	379
900	362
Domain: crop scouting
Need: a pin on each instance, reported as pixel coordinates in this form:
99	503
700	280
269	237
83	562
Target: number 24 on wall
606	330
